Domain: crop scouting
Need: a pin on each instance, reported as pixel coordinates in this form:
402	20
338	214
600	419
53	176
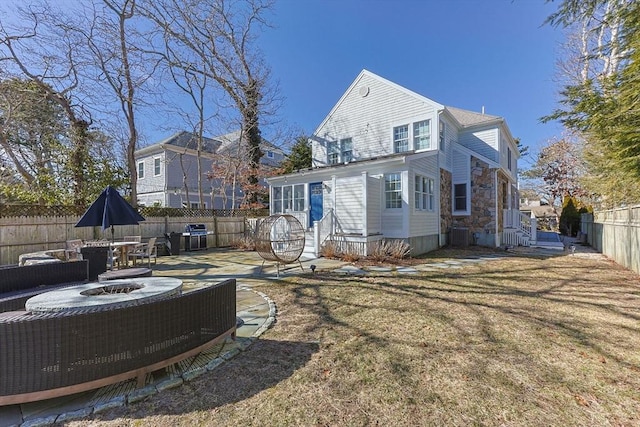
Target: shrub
398	249
378	251
246	243
330	249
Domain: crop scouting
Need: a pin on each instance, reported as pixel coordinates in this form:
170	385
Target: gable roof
368	73
468	118
184	140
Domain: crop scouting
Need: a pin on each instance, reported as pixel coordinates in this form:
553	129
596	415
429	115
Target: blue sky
462	53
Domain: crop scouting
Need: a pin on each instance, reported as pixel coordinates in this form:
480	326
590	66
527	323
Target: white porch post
534	229
365	230
316	238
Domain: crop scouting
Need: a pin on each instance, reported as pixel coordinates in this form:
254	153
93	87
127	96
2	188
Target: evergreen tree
299	158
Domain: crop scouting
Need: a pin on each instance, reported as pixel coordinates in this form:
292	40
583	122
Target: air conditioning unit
459	236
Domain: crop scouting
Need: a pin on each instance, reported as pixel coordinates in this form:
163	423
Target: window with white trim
393	190
288	198
424	193
270	154
442	135
422	135
346	146
509	158
460	197
140	170
333	153
298	198
401	139
156	166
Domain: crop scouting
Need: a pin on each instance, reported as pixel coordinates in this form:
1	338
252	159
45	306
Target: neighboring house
389	163
163	167
547	217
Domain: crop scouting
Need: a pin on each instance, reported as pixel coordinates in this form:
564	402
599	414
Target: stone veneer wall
483	204
446	217
501	187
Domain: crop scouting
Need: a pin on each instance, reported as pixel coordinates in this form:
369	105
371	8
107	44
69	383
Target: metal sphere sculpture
280	238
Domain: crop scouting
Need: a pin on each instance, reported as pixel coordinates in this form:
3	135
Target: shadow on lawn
262	366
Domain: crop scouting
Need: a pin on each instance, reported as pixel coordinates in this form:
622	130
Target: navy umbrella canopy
109	209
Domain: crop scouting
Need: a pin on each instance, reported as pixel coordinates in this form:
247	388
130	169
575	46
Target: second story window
442	135
347	149
421	135
270	154
140	170
401	139
509	158
156	166
333	153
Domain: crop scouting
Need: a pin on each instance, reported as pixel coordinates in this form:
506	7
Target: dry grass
515	342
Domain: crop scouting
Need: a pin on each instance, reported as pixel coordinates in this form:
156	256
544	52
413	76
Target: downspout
495	192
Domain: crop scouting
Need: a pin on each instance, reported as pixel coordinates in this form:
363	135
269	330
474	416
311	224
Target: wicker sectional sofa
45	355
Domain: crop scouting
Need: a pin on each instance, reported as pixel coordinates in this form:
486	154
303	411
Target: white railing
322	230
525	224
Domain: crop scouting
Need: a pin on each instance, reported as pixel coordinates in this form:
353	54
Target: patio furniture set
61	334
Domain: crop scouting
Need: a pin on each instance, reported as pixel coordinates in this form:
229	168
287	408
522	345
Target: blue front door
315	202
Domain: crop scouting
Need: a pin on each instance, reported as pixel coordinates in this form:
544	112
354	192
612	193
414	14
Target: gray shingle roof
471	118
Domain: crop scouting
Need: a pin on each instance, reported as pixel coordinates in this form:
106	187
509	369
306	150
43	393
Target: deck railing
322	230
525	224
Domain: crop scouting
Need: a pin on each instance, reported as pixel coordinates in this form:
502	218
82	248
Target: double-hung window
347	149
140	170
393	191
401	139
424	193
333	153
509	158
460	197
421	135
288	198
156	166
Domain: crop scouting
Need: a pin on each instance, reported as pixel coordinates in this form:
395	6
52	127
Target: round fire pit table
95	296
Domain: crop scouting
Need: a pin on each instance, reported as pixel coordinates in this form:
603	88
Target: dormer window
346	146
340	152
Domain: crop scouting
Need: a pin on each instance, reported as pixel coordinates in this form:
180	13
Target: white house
165	167
389	163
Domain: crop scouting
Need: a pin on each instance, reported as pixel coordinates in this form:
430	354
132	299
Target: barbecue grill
195	237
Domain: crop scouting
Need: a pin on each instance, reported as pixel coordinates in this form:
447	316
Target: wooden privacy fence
616	234
25	234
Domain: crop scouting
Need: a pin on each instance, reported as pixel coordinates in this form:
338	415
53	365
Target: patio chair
145	251
72	250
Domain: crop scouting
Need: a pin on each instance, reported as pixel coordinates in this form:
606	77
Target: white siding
424	223
349	207
369	120
483	142
374	208
504	157
451	137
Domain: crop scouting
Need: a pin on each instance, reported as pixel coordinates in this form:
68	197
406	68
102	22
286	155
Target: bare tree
221	35
116	66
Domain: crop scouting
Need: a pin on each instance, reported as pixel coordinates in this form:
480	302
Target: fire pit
95	295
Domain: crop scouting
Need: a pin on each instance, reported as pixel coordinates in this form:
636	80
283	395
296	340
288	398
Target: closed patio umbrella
109	209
